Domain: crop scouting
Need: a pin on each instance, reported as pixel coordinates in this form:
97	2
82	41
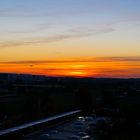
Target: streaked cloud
136	58
69	34
76	60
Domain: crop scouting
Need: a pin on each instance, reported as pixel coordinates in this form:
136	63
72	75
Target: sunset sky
82	38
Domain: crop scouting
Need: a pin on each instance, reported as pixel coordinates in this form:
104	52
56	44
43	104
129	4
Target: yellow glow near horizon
76	68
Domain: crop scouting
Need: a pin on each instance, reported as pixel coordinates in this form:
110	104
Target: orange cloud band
96	67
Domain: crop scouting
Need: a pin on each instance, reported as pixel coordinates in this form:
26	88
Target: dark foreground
29	98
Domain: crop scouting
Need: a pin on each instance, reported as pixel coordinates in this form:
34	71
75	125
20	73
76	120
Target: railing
22	130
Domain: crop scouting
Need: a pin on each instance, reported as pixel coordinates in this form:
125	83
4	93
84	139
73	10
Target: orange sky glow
99	67
78	38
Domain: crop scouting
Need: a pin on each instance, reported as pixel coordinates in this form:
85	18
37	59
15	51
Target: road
73	130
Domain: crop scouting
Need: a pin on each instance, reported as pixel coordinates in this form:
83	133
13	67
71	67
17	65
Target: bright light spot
77	73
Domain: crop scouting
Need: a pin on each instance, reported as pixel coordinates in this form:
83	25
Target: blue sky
75	22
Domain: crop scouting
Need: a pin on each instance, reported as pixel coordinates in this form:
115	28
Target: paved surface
32	124
74	130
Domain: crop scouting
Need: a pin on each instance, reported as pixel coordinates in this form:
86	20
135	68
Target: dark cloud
98	59
136	58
